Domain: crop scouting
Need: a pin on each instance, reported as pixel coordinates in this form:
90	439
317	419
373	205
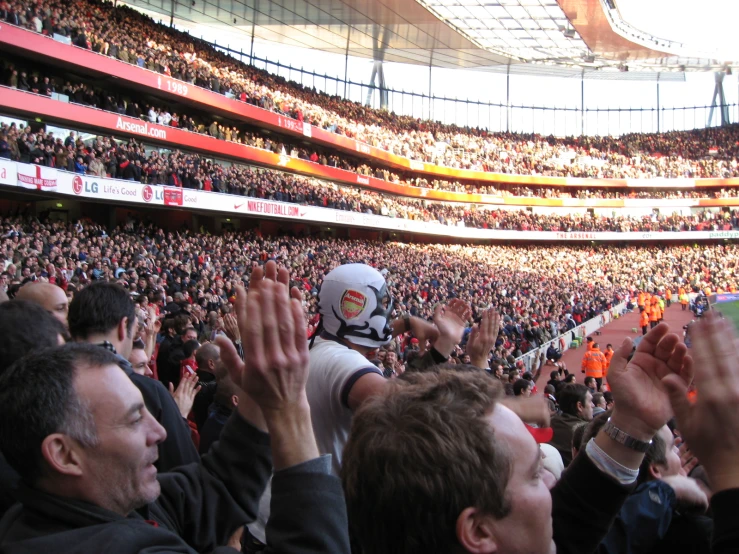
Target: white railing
583	330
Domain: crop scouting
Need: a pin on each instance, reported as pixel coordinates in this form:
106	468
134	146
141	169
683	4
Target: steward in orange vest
654	315
608	354
640	299
643	321
593	363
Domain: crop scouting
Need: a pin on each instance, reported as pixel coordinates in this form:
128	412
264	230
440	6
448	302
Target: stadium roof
586	38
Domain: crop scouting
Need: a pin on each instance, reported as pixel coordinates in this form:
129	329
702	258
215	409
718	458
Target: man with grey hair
79	433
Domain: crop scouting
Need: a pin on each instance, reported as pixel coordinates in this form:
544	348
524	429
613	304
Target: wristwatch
624	438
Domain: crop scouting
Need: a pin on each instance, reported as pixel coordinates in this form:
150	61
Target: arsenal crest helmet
355	305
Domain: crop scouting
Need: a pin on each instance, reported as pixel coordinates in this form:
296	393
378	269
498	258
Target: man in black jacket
25	326
86	453
104	314
466	476
576	404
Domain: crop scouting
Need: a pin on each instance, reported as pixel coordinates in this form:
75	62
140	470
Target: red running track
615	332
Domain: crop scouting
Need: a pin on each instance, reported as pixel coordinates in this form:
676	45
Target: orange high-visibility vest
608	354
593	362
654	314
644	319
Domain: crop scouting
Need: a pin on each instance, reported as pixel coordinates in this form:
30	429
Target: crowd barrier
88	187
565	340
29	43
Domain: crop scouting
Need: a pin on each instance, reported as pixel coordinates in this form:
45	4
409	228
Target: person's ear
235	400
122	329
475	532
61	454
655	471
580	407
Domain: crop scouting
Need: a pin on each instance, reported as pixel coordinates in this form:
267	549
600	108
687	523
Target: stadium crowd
105	156
112	31
122	103
391	383
533	288
180	391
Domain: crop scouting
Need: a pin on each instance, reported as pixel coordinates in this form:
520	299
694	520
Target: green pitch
730	310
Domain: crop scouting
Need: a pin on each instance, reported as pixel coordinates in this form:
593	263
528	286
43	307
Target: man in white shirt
355	308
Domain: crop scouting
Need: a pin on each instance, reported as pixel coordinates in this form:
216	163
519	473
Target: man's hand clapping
450	319
642	403
482	338
710	426
184	395
275	367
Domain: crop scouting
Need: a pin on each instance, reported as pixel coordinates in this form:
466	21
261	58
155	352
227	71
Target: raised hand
154	323
710	426
425	331
482	338
270	272
450	319
641	399
231	327
185	394
275	345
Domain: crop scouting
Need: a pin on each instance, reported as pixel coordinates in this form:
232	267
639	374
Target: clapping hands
710	426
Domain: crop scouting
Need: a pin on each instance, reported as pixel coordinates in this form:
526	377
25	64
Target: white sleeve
343	371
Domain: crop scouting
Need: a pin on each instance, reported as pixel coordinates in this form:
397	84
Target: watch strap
624	438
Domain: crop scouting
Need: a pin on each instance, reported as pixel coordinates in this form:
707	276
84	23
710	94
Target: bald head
207	357
48	296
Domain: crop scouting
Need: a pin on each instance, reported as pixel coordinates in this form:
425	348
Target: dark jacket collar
69	512
123	362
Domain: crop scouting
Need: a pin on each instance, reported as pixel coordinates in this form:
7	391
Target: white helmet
355	305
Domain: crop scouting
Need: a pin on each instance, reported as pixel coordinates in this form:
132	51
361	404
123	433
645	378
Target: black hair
655	455
37	398
520	386
25	327
189	347
99	308
578	431
569	396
